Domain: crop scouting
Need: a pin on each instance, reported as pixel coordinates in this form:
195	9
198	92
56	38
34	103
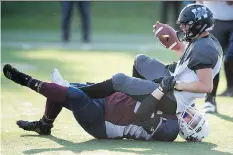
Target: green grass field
30	40
67	136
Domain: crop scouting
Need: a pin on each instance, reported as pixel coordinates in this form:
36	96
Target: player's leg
84	9
52	109
137	88
56	96
88	112
67	8
44	125
143	65
120	83
228	66
147	68
51	91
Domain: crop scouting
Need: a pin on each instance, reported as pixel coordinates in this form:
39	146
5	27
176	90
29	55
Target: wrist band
161	89
177	82
157	93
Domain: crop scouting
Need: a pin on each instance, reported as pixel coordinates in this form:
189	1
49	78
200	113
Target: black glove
167	84
159	80
171	67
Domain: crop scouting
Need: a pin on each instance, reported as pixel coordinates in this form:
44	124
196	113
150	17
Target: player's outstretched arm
148	105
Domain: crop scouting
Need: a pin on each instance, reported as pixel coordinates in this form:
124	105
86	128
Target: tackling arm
148	105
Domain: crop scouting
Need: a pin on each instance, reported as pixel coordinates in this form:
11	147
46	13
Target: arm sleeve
146	108
161	129
202	57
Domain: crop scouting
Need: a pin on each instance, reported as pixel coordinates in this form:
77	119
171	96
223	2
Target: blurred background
106	25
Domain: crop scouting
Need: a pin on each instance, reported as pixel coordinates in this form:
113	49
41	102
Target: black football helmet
198	17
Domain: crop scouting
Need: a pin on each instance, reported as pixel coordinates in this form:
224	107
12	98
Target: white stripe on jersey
129	131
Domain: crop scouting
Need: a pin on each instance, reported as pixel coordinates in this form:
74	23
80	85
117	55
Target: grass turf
67	136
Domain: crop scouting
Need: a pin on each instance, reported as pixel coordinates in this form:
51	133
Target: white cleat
57	78
210	108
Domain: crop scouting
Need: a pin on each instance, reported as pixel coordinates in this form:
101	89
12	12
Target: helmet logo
190	22
200	12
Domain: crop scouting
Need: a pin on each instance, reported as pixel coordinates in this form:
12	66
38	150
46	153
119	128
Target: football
166	35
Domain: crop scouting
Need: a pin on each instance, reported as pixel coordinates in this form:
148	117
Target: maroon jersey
119	109
120	119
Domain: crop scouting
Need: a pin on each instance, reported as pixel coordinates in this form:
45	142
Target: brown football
166	35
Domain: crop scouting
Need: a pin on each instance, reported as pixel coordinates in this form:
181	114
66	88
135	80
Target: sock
52	109
99	90
35	84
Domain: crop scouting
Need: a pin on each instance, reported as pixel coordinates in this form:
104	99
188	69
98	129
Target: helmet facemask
194	30
193	125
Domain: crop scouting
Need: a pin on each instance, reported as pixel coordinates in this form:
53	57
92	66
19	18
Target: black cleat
36	126
13	74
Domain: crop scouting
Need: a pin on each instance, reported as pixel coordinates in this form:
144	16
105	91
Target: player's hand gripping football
166	35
